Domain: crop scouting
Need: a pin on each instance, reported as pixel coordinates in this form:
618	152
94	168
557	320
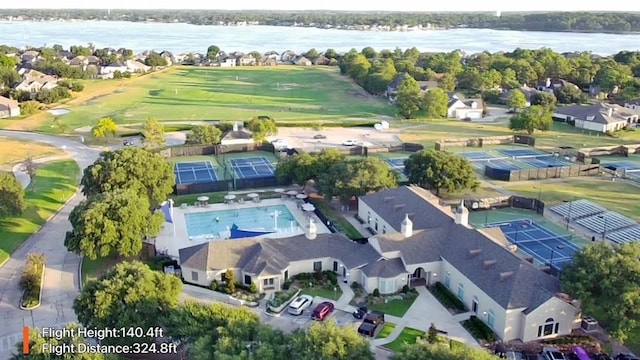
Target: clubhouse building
418	242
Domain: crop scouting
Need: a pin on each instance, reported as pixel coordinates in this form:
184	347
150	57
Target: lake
183	38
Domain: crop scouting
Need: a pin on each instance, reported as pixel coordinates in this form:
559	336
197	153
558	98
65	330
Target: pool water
258	218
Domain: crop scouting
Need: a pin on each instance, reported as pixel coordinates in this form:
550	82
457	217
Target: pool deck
174	237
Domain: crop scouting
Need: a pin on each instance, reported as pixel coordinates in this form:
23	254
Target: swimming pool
257	218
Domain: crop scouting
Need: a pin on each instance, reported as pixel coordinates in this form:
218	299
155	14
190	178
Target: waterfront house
322	60
303	61
460	108
392	88
8	107
288	56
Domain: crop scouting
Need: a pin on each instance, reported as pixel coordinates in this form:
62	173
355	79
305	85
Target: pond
58	112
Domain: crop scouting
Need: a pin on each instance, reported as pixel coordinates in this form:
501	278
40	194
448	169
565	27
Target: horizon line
336	10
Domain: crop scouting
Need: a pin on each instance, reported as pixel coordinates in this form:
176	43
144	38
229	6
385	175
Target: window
369	217
267	282
335	266
491	319
194	275
376	224
286	275
447	280
247	280
317	266
550	327
384	229
461	291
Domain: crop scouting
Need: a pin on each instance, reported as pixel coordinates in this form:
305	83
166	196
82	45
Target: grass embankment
17	150
393	307
53	185
285	93
407	336
341	224
324	293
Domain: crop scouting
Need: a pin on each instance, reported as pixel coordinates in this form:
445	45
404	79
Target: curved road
61	283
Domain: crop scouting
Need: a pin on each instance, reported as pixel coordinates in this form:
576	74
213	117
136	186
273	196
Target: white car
349	143
300	303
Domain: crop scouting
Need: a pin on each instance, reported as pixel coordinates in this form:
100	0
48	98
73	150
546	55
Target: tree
116	221
438	170
408	97
312	54
435	103
331	54
432	334
153	132
611	75
568	94
104	127
212	52
517	100
128	295
30	167
447	82
355	178
11	196
261	128
544	99
533	118
30	107
37	350
327	340
441	351
155	60
204	135
607	278
132	168
300	168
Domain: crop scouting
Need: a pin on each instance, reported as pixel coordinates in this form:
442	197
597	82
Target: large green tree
144	172
128	295
355	178
308	166
114	222
533	118
212	52
104	127
544	99
409	97
204	135
423	350
329	341
38	350
439	170
606	279
435	103
261	127
568	94
11	196
153	132
517	101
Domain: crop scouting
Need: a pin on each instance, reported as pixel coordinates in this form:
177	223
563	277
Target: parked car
319	136
552	354
300	303
349	143
371	323
361	312
322	311
602	357
515	355
626	357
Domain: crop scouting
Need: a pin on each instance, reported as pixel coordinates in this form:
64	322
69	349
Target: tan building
8	107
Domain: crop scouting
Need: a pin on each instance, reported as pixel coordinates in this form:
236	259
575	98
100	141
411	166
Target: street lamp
569	215
553	251
486	216
604	227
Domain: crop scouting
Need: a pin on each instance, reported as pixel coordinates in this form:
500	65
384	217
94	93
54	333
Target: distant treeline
617	22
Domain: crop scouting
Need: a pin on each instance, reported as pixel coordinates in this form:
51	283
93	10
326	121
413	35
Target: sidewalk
23	177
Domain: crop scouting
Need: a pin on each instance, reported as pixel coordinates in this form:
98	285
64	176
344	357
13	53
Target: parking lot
304	138
287	322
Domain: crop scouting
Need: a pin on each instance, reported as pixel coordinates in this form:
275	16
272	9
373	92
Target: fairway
285	93
15	151
54	184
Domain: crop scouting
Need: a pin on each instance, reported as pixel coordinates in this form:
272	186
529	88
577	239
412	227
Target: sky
368	5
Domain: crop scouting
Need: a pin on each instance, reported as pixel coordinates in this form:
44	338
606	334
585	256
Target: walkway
61	283
23	178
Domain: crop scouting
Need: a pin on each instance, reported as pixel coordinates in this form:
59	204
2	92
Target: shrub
286	285
333	278
479	329
446	297
30	107
30	282
253	288
231	281
376	292
405	289
214	285
281	297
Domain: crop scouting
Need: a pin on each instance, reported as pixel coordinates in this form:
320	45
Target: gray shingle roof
385	268
598	113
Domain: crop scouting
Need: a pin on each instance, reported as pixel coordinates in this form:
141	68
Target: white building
600	117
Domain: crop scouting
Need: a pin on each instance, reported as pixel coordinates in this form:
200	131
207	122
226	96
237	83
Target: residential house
168	56
288	56
79	61
267	61
322	60
228	61
600	117
272	54
93	60
136	66
29	56
549	85
516	299
113	67
633	105
460	108
303	61
392	88
528	92
245	60
35	82
237	135
8	107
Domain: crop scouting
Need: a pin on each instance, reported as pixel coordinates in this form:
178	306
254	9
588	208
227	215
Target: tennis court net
508	158
190	169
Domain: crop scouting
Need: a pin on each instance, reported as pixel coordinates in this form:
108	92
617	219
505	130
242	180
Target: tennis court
479	158
626	168
541	243
514	159
194	172
251	168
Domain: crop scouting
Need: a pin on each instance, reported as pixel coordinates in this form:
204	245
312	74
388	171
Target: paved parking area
303	138
287	322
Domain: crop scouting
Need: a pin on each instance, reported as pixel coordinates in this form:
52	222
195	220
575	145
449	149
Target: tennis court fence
497	173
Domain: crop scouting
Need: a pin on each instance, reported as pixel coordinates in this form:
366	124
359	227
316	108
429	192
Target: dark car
319	136
371	323
322	311
602	357
361	312
626	357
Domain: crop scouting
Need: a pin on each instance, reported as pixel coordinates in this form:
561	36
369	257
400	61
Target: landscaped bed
386	330
479	330
394	304
447	298
407	336
31	281
339	222
320	283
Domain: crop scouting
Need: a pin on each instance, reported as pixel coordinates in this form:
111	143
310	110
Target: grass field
394	307
15	151
284	93
386	330
54	184
407	336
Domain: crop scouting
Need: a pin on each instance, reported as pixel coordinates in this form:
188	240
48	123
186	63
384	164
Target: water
58	112
258	218
183	38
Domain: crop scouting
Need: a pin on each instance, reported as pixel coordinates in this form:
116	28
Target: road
61	283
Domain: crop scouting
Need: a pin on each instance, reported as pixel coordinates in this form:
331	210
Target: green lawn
325	293
386	330
394	307
285	93
336	218
407	336
54	184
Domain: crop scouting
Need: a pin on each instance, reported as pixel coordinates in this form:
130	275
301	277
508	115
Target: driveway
61	283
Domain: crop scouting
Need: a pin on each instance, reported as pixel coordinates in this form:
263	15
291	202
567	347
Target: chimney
235	126
406	226
548	83
488	264
311	231
506	275
462	214
474	253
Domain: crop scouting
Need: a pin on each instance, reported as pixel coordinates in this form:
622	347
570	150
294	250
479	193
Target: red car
322	311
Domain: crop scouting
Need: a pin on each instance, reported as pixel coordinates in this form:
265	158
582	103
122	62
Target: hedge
479	329
446	297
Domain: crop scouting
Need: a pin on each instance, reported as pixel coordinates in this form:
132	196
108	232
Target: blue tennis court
541	243
477	155
194	172
621	165
250	168
521	152
480	158
396	164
